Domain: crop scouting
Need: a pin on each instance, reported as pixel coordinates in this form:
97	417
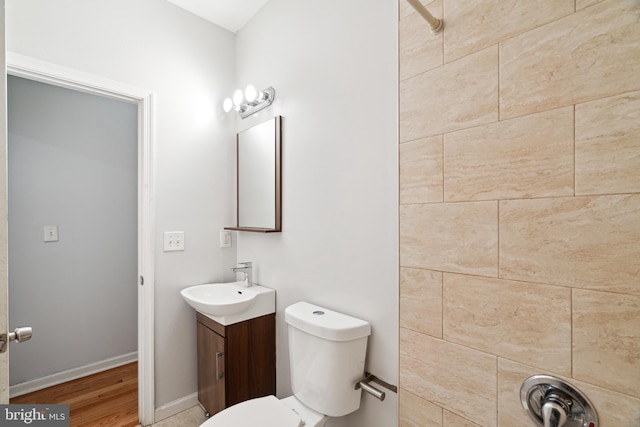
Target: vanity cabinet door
211	370
251	359
235	362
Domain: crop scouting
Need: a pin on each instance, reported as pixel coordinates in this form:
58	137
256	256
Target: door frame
46	72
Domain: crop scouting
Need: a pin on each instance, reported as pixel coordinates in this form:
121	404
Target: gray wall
72	162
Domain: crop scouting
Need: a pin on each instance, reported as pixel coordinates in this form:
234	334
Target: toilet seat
260	412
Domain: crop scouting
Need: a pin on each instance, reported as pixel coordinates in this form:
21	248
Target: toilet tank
327	352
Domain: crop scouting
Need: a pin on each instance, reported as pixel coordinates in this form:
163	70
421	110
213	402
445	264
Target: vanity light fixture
249	102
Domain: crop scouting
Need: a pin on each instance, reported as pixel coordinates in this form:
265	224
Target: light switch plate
50	233
173	241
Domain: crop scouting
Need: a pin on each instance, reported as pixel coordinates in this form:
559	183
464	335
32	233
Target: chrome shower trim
539	391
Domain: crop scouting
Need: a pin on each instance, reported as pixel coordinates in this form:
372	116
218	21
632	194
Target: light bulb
250	93
238	97
227	105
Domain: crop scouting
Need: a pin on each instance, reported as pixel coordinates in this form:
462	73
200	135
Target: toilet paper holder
365	385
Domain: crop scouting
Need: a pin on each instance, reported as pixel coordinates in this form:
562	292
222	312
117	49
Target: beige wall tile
450	97
421	301
421	171
417	412
511	375
590	243
608	145
455	237
614	409
405	9
419	50
606	340
526	157
583	242
581	4
450	419
459	379
525	322
587	55
472	25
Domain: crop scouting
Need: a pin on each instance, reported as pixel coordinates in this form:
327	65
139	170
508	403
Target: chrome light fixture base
264	99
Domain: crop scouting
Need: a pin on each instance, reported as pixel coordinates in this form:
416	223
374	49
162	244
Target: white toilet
326	355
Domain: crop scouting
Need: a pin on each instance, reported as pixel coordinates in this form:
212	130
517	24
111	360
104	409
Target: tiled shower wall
519	208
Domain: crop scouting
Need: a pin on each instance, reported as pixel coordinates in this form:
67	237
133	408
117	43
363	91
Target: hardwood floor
108	398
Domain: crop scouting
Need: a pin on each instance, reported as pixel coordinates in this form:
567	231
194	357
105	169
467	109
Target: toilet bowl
327	353
267	412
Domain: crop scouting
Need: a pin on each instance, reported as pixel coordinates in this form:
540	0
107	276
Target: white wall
189	64
72	163
333	65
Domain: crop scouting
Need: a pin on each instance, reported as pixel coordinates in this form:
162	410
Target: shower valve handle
553	414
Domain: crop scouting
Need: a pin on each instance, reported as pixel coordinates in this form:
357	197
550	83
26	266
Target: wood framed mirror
259	178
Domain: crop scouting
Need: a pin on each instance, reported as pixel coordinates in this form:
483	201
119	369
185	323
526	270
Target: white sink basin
232	302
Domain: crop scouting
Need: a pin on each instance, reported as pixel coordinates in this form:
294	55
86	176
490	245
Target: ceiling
228	14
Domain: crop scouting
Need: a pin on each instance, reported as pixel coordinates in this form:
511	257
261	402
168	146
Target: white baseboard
72	374
178	405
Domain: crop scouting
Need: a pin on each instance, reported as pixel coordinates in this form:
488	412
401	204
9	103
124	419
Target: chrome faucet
246	269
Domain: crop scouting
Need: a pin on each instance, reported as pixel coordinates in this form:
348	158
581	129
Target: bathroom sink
231	302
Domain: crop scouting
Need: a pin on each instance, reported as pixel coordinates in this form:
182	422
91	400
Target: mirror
258	174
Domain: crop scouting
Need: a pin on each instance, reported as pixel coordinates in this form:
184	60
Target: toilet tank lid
325	323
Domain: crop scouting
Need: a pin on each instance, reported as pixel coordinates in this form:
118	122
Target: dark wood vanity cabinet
235	362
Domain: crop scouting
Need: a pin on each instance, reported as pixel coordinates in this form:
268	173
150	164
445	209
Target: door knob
20	334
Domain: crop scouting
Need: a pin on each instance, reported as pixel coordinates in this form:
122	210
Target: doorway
72	183
141	278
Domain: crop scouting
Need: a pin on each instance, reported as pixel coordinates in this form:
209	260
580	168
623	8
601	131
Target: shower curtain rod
436	24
